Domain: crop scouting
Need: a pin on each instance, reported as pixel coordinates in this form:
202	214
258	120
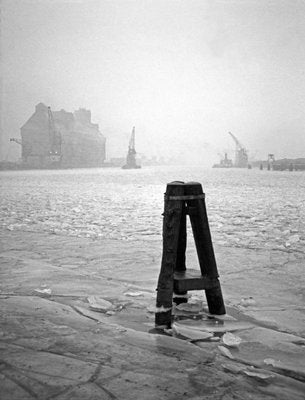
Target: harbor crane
131	155
241	155
55	139
131	147
16	140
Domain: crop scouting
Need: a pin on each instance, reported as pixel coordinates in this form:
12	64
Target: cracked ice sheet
53	368
260	343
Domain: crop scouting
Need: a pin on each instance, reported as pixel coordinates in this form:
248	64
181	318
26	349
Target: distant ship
224	163
131	155
241	157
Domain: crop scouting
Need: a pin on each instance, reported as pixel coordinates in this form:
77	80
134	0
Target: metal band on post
195	197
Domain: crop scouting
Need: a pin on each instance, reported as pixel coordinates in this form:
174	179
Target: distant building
62	139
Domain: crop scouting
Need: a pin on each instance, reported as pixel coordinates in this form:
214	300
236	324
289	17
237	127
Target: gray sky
184	72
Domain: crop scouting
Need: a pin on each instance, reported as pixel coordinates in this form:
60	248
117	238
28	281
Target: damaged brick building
62	139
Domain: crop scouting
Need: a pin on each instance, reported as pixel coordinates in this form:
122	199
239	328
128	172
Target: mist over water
183	72
246	208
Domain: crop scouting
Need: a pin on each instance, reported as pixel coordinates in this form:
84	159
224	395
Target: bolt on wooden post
175	279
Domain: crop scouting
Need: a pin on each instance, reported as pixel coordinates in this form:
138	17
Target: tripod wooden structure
182	199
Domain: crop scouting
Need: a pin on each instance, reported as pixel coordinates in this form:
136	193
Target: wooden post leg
204	246
181	297
215	300
171	228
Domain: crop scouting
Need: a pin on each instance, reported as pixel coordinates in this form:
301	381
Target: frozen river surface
246	208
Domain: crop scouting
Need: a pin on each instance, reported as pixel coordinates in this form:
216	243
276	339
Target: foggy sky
184	72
